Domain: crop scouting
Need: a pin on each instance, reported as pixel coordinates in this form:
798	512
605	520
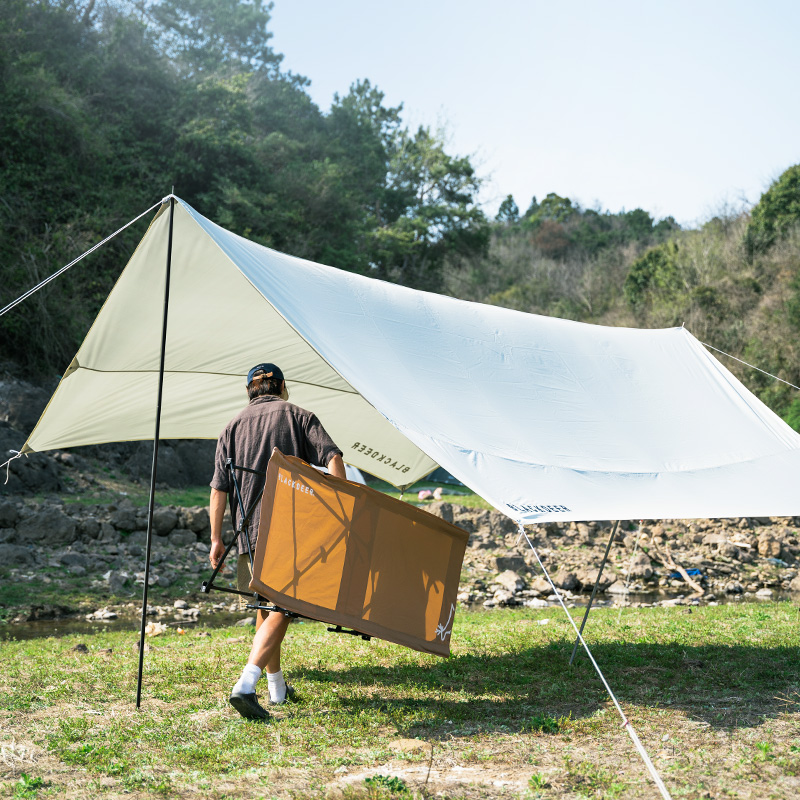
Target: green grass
722	684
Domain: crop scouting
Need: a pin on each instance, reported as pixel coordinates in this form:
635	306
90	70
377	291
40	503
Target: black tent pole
594	591
155	455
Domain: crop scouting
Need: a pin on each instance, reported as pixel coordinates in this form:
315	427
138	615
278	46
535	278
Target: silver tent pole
594	591
154	470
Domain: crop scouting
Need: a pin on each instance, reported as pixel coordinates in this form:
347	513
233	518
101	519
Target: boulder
640	567
182	538
73	559
504	563
502	597
540	586
15	556
438	509
48	525
196	519
510	581
536	602
8	535
564	579
734	587
769	546
89	528
588	577
116	581
618	587
124	519
8	514
164	520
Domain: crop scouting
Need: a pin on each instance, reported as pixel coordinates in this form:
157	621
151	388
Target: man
267	422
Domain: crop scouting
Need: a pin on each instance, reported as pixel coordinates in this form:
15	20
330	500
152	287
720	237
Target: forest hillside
109	104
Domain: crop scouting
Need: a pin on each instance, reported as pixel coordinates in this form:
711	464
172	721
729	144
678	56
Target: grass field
714	695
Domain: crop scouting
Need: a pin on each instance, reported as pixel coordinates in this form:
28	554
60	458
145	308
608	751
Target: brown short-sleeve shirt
249	438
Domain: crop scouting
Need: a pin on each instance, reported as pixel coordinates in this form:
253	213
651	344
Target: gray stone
734	587
7	534
108	534
515	563
794	586
14	555
50	525
74	559
182	539
536	602
136	538
197	519
77	569
565	580
640	567
540	586
588	577
180	604
124	519
164	520
769	546
8	514
502	597
510	581
618	587
243	623
89	528
442	510
116	582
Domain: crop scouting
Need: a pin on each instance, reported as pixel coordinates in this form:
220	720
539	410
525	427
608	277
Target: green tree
508	213
776	213
656	274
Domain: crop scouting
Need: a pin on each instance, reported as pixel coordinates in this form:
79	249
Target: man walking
268	421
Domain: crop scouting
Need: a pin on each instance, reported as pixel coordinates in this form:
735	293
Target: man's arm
336	467
217	511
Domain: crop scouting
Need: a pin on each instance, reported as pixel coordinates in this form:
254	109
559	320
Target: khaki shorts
243	578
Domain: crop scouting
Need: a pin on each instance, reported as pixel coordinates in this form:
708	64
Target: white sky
676	107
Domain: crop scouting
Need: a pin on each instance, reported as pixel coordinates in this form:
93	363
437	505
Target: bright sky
676	107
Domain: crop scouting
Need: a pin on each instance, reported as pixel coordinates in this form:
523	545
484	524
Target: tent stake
594	590
154	470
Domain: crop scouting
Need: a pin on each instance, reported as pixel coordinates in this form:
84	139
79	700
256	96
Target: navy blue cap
269	370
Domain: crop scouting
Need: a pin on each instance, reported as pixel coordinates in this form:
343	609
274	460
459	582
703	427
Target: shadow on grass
722	686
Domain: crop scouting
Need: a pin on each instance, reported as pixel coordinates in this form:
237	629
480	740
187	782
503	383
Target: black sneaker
248	706
291	697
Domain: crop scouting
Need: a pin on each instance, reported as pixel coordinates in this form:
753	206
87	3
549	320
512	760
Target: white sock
248	680
277	686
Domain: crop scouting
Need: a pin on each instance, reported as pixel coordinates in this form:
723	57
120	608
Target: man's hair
261	385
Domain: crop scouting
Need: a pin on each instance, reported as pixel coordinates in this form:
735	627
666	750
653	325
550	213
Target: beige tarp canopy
219	326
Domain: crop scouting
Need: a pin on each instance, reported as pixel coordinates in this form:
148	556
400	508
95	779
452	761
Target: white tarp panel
545	418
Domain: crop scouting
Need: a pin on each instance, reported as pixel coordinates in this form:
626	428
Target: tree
508	213
776	212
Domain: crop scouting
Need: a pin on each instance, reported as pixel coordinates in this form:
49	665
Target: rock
37	472
565	580
510	581
50	525
108	533
182	539
243	623
196	519
536	602
7	534
180	604
618	587
77	570
769	546
515	563
125	519
588	577
14	555
102	614
540	585
442	510
116	581
163	581
502	597
79	648
765	593
164	521
8	514
89	528
640	567
733	587
72	559
794	586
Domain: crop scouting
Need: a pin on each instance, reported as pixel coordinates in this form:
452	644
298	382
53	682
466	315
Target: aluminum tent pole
594	590
154	470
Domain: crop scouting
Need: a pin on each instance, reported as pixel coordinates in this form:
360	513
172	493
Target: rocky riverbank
97	552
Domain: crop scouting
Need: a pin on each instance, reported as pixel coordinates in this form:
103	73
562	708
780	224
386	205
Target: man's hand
217	512
216	552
